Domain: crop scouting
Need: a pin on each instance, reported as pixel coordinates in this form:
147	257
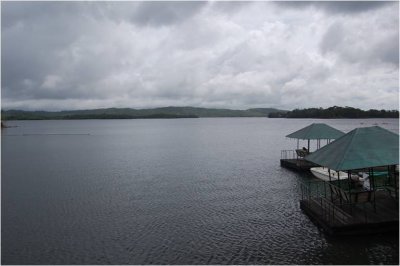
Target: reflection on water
179	191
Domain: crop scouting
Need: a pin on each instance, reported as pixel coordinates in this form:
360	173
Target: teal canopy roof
316	131
360	148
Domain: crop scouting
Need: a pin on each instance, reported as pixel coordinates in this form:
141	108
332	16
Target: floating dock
354	219
343	207
294	159
297	164
290	160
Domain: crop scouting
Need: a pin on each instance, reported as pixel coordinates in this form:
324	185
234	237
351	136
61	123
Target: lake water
173	191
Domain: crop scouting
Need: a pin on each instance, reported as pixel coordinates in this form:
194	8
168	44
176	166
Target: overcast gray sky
83	55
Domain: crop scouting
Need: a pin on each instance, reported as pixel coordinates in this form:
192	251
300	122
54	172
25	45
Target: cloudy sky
82	55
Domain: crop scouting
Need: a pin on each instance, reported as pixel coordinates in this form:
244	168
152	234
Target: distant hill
336	112
195	112
129	113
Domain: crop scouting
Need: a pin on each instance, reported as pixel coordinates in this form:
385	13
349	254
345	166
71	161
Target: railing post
322	207
302	188
365	213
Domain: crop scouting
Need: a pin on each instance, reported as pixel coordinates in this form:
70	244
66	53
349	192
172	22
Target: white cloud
51	82
233	55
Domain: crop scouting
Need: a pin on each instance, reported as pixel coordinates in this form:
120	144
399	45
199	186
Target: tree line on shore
336	112
195	112
130	113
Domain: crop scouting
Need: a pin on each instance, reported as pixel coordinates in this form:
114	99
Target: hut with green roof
368	150
360	148
372	151
317	131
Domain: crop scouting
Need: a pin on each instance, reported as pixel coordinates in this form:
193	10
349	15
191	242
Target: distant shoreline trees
195	112
336	112
129	113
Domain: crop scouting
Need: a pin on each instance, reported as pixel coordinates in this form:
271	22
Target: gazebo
371	150
315	131
351	206
318	131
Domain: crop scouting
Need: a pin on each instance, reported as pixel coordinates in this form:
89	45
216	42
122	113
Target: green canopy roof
360	148
316	131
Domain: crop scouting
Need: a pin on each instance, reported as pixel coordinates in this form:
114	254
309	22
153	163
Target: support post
340	187
349	185
372	185
330	186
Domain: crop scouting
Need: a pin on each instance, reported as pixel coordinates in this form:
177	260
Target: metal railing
330	207
314	189
330	212
288	154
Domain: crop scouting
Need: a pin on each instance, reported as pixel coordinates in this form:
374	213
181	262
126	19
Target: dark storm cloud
351	7
33	36
164	13
226	6
339	39
79	55
389	51
338	7
36	11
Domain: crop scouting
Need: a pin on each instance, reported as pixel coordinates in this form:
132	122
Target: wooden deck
365	218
